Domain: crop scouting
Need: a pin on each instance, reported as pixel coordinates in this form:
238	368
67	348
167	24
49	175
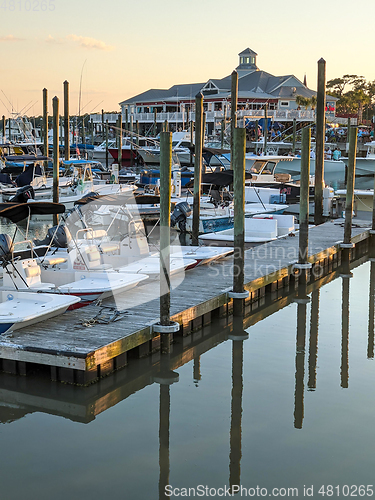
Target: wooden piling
131	140
191	141
66	121
137	131
45	122
3	129
103	124
300	365
320	139
197	166
304	197
222	131
350	186
56	152
155	122
165	216
294	136
119	144
233	106
256	136
238	165
106	144
265	129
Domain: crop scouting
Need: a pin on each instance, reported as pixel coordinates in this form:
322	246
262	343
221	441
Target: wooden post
294	136
119	145
10	127
131	141
304	197
66	121
256	136
238	165
56	140
126	126
203	128
3	129
233	106
92	131
222	131
45	123
347	131
155	122
265	129
191	141
320	139
373	207
164	419
165	216
106	144
166	126
137	131
197	165
103	124
350	188
187	117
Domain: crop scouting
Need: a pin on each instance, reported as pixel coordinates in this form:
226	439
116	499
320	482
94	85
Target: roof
248	52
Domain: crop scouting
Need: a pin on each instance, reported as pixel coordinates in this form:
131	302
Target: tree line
355	95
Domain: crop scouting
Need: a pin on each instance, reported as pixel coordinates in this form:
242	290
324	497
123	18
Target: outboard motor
23	194
57	238
180	213
6	248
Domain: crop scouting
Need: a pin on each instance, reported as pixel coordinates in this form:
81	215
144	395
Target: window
284	104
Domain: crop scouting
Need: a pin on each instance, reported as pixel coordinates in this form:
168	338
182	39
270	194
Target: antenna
80	89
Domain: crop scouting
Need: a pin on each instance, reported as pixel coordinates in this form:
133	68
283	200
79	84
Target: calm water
292	405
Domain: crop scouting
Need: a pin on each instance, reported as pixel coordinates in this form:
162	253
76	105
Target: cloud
90	43
10	38
51	39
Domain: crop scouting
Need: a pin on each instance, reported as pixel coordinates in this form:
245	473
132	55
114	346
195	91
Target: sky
113	49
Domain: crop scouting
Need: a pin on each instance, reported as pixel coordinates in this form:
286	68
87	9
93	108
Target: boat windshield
263	167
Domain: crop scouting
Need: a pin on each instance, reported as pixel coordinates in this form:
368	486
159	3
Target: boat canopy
117	199
27	158
16	212
222	178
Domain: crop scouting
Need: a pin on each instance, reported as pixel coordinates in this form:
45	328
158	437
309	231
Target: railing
212	116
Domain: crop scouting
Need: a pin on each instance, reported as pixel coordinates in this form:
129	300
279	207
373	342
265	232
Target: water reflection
370	343
313	345
346	275
246	396
302	301
236	404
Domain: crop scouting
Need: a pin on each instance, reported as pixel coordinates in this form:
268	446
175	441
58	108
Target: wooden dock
76	349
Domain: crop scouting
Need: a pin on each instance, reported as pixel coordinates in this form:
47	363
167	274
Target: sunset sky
122	48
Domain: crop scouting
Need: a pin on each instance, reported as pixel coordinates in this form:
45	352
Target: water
292	405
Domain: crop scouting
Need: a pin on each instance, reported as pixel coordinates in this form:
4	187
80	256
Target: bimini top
118	199
27	158
16	212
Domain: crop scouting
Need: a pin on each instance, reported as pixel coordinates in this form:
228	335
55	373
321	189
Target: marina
79	350
187	254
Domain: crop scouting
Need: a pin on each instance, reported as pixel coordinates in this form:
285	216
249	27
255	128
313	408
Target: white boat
19	309
99	152
29	274
259	229
180	149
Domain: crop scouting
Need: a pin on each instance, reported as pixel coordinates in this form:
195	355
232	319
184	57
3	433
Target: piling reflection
370	342
346	275
197	370
313	343
302	301
165	378
235	454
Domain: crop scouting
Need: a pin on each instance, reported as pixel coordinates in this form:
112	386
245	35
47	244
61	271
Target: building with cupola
256	88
